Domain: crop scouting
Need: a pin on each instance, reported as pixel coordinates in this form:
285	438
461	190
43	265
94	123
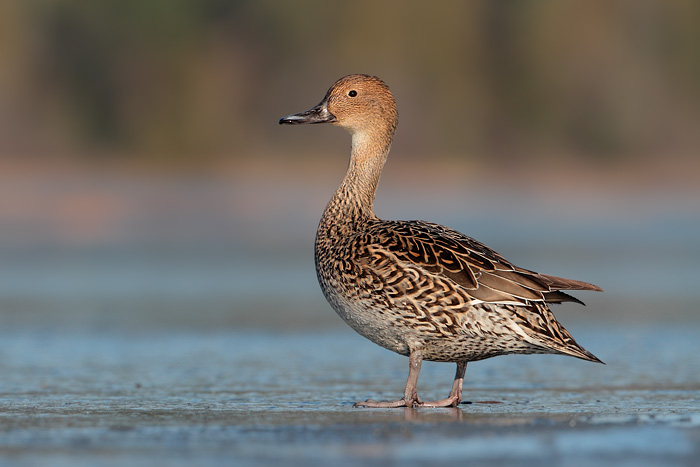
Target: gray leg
455	396
410	393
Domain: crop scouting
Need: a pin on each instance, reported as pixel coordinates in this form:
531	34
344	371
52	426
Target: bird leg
410	393
410	396
455	396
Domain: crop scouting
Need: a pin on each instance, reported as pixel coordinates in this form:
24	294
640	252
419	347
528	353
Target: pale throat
367	159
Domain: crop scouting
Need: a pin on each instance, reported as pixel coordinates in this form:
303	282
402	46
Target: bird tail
539	324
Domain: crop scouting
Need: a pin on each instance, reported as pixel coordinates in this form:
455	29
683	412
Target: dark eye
352	93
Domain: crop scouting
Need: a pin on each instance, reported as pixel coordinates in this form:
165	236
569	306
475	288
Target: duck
417	288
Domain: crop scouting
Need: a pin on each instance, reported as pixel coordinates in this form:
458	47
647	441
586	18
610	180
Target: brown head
361	104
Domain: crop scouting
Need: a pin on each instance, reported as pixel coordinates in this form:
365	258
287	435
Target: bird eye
352	93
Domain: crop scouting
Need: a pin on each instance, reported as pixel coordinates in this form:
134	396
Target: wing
484	274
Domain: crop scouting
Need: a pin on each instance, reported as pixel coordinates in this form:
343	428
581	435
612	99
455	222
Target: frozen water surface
219	398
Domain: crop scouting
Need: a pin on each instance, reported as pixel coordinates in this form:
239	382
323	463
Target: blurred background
146	184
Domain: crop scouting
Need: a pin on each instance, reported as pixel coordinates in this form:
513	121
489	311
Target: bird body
417	288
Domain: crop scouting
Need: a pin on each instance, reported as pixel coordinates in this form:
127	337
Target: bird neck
358	188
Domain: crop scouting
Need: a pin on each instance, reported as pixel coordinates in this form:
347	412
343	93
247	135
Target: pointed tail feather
541	326
559	283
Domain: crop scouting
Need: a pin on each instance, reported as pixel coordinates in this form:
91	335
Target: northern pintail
417	288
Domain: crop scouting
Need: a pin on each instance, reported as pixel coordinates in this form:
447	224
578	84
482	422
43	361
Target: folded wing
483	273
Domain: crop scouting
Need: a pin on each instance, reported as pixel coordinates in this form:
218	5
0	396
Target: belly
381	326
470	334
